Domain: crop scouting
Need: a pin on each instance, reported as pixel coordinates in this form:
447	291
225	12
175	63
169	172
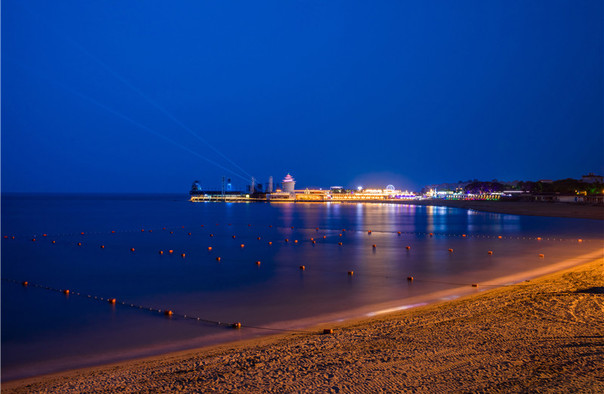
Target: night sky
147	96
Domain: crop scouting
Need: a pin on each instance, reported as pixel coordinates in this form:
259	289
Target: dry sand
546	335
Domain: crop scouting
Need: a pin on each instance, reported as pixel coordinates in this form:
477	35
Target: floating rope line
165	312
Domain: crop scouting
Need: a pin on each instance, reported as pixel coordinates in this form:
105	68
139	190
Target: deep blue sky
335	92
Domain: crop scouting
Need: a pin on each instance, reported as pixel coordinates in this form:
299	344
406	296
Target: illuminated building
288	184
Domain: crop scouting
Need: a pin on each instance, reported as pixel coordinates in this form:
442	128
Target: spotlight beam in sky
132	121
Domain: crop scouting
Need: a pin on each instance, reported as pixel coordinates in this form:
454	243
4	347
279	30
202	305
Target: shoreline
97	378
532	208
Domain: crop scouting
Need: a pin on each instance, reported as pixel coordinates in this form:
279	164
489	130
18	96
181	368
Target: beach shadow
592	290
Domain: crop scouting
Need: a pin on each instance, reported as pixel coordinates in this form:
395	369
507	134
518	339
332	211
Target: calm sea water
44	330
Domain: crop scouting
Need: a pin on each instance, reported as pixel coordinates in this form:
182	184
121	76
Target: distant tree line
562	186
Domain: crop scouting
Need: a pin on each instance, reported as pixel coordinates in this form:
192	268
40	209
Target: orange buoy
82	233
229	224
113	231
430	234
142	230
33	240
257	262
163	228
340	243
270	225
234	237
111	301
270	243
170	251
242	245
317	228
398	232
249	225
295	241
6	237
340	235
325	237
312	239
102	246
541	255
450	250
150	231
410	278
209	248
579	240
490	252
79	244
327	331
132	249
66	292
538	238
189	233
407	247
500	237
374	246
259	238
168	313
171	232
13	237
202	225
25	283
218	258
44	235
54	242
350	273
182	255
161	252
474	284
211	235
463	235
236	325
302	267
369	232
286	240
314	242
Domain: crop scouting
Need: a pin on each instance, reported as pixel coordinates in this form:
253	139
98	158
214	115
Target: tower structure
269	188
289	184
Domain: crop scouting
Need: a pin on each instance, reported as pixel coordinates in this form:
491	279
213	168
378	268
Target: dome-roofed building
288	184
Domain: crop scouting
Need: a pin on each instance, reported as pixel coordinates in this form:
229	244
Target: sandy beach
552	209
539	335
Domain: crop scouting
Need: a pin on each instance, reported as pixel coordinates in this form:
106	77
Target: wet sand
540	335
552	209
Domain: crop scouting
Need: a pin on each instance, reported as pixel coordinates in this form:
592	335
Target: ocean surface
101	247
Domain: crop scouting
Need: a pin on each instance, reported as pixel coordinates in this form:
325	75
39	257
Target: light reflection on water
40	328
